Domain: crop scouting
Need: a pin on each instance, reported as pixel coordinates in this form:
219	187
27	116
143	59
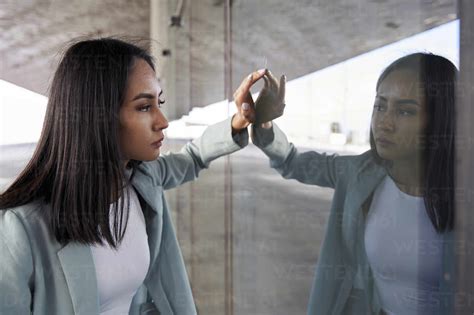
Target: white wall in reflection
21	114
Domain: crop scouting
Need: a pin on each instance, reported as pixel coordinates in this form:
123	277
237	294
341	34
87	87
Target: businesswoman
85	228
386	246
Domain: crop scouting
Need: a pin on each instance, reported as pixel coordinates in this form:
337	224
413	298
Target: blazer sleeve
308	167
16	265
173	169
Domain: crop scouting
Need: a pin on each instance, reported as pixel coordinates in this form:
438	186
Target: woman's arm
220	139
309	167
16	266
174	169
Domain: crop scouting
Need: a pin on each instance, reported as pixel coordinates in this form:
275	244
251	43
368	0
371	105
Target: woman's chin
150	157
155	155
385	154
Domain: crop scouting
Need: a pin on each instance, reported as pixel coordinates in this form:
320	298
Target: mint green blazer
39	276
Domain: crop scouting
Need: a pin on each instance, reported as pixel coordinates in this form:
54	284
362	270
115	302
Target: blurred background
250	238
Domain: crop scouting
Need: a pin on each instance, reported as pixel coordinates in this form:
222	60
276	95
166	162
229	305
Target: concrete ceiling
34	32
295	37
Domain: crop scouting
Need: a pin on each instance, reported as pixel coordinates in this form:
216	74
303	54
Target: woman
75	237
386	248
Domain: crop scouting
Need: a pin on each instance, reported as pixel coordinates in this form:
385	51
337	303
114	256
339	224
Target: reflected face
399	116
141	120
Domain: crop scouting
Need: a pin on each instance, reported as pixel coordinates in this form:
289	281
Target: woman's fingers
270	103
281	92
248	112
244	102
267	82
251	79
244	89
273	81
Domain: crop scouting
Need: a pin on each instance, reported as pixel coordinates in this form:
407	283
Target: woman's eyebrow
401	101
407	102
144	95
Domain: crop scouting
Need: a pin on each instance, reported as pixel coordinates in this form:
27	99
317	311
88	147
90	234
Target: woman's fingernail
262	71
245	106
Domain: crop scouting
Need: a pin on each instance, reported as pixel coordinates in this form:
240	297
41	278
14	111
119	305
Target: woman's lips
384	142
157	144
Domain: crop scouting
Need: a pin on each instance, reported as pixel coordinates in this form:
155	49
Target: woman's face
399	116
141	120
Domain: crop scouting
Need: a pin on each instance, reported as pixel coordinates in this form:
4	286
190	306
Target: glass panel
333	54
191	54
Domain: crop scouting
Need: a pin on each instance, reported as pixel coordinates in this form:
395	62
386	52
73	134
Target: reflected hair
438	77
77	166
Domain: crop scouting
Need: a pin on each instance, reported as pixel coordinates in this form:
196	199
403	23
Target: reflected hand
270	103
243	101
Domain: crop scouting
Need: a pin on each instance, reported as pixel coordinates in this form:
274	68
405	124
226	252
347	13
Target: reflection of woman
71	242
393	206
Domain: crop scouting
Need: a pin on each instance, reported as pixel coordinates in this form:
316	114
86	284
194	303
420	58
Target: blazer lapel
359	189
150	192
79	270
150	196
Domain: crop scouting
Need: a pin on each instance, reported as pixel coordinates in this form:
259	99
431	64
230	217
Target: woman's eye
147	108
378	107
406	112
144	108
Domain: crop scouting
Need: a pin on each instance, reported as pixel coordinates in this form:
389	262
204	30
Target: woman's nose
387	122
160	121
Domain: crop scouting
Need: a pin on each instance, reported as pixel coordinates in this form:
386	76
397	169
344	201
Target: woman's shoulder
25	210
359	161
21	217
23	235
25	229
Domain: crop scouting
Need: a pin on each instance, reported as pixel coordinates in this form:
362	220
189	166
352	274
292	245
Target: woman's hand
270	103
243	100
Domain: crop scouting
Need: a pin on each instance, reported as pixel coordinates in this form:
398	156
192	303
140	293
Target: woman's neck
409	176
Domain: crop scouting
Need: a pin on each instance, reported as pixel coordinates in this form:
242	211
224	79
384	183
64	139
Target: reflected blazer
40	276
343	282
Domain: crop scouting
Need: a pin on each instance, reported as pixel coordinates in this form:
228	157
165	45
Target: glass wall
251	238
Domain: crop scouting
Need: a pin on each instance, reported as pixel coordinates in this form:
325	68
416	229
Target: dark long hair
77	166
438	78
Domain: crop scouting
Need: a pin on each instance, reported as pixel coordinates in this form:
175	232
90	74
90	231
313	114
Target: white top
120	273
403	250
